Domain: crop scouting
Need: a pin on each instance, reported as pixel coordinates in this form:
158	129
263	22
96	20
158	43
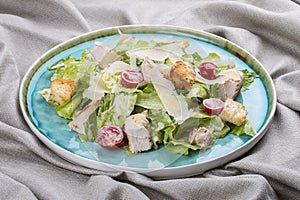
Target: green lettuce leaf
177	140
246	128
200	90
222	64
149	99
127	43
113	82
216	125
73	69
114	109
248	79
67	109
181	147
79	71
90	129
162	126
168	62
212	57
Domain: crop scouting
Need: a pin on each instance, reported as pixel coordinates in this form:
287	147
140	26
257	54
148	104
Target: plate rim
170	172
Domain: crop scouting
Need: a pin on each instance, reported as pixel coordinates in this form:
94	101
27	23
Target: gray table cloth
268	29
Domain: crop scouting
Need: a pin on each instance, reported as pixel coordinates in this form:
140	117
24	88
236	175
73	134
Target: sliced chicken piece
136	129
231	87
229	83
78	123
202	137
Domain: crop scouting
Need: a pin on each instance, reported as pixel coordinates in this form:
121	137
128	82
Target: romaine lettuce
200	90
79	71
162	126
114	108
248	79
246	128
181	146
149	99
128	42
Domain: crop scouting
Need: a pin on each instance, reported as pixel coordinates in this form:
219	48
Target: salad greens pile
98	82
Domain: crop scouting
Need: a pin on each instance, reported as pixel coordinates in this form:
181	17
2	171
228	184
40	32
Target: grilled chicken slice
136	129
231	87
78	123
228	83
202	137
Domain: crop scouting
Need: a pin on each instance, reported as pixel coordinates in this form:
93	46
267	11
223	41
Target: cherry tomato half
131	78
110	136
207	70
213	105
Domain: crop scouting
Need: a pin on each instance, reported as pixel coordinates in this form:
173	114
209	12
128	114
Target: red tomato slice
110	136
131	78
213	105
207	70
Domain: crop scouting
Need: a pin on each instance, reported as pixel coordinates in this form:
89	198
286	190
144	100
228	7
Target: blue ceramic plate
259	100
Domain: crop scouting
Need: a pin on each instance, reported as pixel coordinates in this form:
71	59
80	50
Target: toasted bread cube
182	75
61	90
234	112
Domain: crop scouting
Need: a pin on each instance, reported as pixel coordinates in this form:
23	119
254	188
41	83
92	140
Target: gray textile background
269	29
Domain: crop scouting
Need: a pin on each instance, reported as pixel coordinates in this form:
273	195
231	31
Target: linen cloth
268	29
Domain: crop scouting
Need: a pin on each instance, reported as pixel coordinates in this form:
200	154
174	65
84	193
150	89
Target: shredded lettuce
200	90
162	126
168	62
212	57
128	43
110	80
246	129
79	71
181	146
73	69
149	99
90	129
248	79
114	108
67	109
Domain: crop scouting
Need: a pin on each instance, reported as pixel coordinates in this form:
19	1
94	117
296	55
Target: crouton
61	90
182	75
234	112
